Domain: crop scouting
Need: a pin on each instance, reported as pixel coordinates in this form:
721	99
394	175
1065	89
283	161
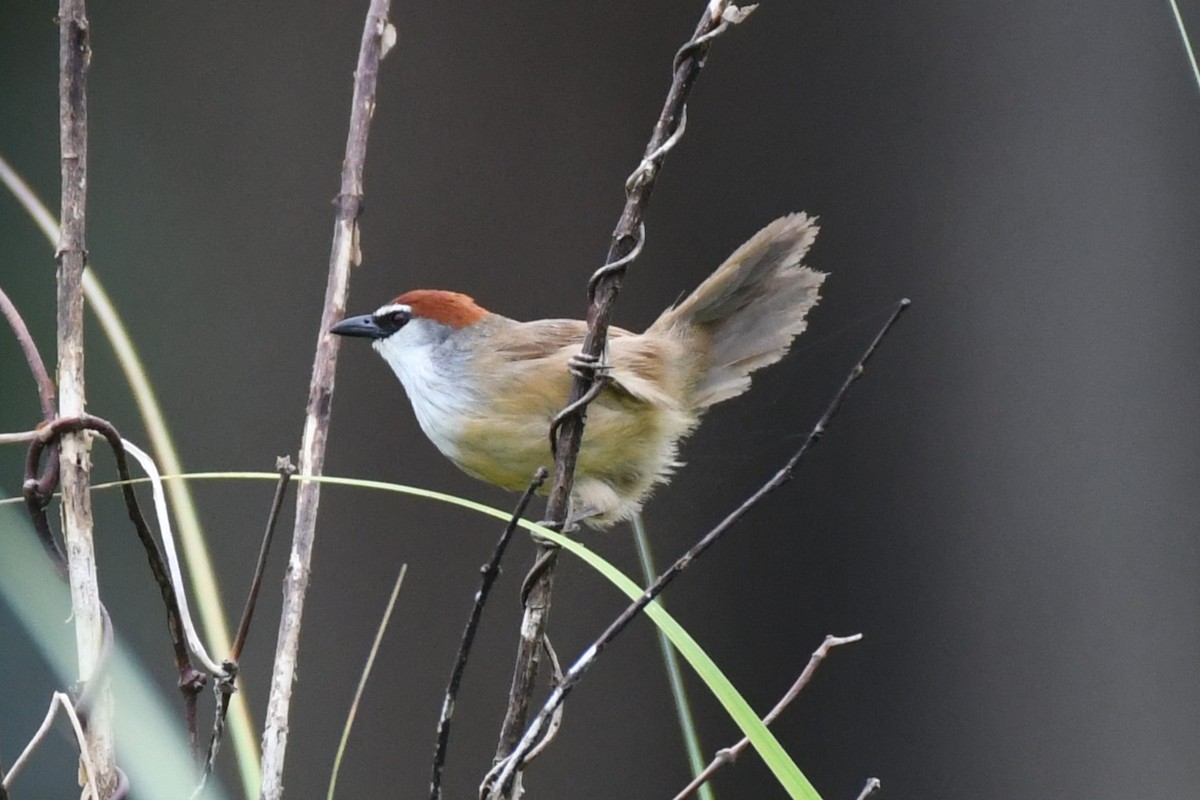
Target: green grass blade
769	749
683	708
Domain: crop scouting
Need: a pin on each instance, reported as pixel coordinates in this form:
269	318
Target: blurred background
1006	509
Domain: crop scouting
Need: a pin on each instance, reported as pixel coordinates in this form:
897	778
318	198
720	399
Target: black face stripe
391	318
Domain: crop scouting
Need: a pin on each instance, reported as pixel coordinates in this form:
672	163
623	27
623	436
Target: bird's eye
391	319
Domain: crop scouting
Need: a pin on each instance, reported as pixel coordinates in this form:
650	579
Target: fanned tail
746	314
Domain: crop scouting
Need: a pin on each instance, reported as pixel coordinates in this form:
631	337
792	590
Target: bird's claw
570	526
541	540
588	367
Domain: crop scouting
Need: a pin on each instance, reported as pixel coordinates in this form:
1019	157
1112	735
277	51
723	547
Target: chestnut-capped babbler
485	387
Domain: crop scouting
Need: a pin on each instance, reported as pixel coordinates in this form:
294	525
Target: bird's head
408	330
413	317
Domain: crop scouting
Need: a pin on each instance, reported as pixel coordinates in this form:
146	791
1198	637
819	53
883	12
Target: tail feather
750	309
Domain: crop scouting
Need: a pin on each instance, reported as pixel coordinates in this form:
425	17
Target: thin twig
32	357
556	677
362	680
37	491
224	688
873	785
552	728
57	700
179	624
728	755
575	673
283	465
818	656
225	684
627	238
488	574
378	35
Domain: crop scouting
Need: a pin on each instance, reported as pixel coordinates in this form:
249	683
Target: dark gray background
1007	509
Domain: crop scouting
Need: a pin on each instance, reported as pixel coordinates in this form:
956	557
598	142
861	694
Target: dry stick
378	35
873	785
37	493
778	479
74	54
728	755
191	680
49	480
488	574
57	700
625	244
37	367
556	677
226	684
32	357
283	465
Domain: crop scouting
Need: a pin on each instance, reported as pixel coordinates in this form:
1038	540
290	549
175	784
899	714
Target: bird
485	388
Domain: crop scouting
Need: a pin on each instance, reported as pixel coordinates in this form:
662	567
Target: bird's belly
627	449
505	452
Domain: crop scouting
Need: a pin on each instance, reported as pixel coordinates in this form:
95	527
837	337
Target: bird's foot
570	526
588	367
582	515
542	541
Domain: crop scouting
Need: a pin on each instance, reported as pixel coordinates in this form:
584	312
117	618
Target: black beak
364	326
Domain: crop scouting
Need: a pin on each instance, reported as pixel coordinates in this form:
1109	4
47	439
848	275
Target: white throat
433	373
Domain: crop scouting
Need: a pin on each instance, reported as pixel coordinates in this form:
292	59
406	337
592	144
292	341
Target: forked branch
728	755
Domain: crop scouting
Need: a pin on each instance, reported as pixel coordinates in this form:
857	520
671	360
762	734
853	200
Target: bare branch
728	755
626	243
74	55
57	700
32	357
226	682
581	665
488	573
191	681
283	465
37	367
378	33
486	785
873	785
